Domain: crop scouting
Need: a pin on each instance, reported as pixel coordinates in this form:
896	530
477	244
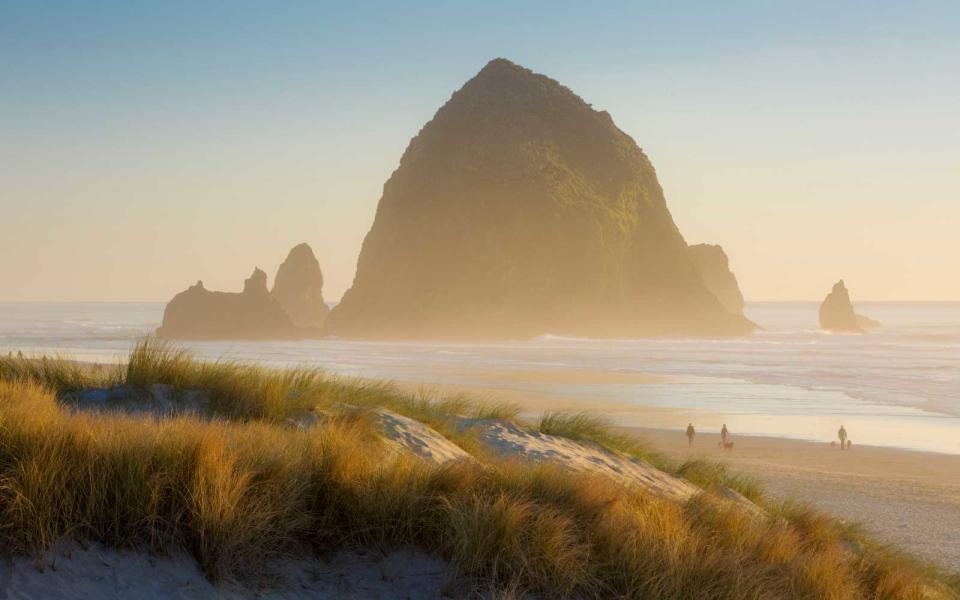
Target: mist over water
895	386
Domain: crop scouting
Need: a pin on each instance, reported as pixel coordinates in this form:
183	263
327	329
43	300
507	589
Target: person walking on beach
842	434
724	437
690	433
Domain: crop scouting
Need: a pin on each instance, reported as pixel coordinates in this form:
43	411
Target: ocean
897	386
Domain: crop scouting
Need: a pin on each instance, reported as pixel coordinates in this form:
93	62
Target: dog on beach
727	446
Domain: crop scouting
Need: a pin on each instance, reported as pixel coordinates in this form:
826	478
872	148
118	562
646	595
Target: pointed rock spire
836	311
298	287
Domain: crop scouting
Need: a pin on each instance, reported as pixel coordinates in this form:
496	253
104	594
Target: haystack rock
836	312
518	210
714	267
298	288
200	314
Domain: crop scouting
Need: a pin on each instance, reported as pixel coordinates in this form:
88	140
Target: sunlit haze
145	147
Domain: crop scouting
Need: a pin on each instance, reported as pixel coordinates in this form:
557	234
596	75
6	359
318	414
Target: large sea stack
298	288
518	210
200	314
836	311
714	267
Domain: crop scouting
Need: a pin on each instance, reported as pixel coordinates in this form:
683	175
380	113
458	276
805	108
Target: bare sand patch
507	440
415	437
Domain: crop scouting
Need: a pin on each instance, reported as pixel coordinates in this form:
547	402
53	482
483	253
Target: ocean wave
551	337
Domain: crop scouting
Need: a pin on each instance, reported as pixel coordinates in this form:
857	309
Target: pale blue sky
147	145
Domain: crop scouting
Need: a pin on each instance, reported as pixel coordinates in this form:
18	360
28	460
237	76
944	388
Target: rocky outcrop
294	309
867	323
298	288
714	267
836	312
200	314
518	210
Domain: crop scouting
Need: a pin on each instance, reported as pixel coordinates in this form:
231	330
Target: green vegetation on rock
518	210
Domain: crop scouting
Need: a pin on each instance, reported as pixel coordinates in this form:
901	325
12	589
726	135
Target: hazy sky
144	146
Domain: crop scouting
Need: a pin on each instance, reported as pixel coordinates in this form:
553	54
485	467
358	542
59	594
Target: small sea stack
836	311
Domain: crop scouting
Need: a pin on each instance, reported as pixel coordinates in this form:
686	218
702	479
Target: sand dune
507	440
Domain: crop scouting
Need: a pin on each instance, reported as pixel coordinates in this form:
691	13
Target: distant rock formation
298	288
836	312
294	309
199	314
518	210
714	267
867	322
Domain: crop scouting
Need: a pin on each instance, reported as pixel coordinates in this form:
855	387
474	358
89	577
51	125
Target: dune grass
242	489
245	392
56	372
239	494
709	474
582	426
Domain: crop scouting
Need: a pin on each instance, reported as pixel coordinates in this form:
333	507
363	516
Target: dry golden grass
240	489
236	494
709	475
584	426
57	372
245	392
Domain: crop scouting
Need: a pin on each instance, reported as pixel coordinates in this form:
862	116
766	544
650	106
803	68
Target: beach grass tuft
711	474
55	372
586	427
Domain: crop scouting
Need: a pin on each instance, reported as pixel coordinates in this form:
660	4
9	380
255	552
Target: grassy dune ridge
240	489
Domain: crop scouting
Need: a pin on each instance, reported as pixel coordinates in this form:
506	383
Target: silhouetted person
724	436
842	434
690	433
